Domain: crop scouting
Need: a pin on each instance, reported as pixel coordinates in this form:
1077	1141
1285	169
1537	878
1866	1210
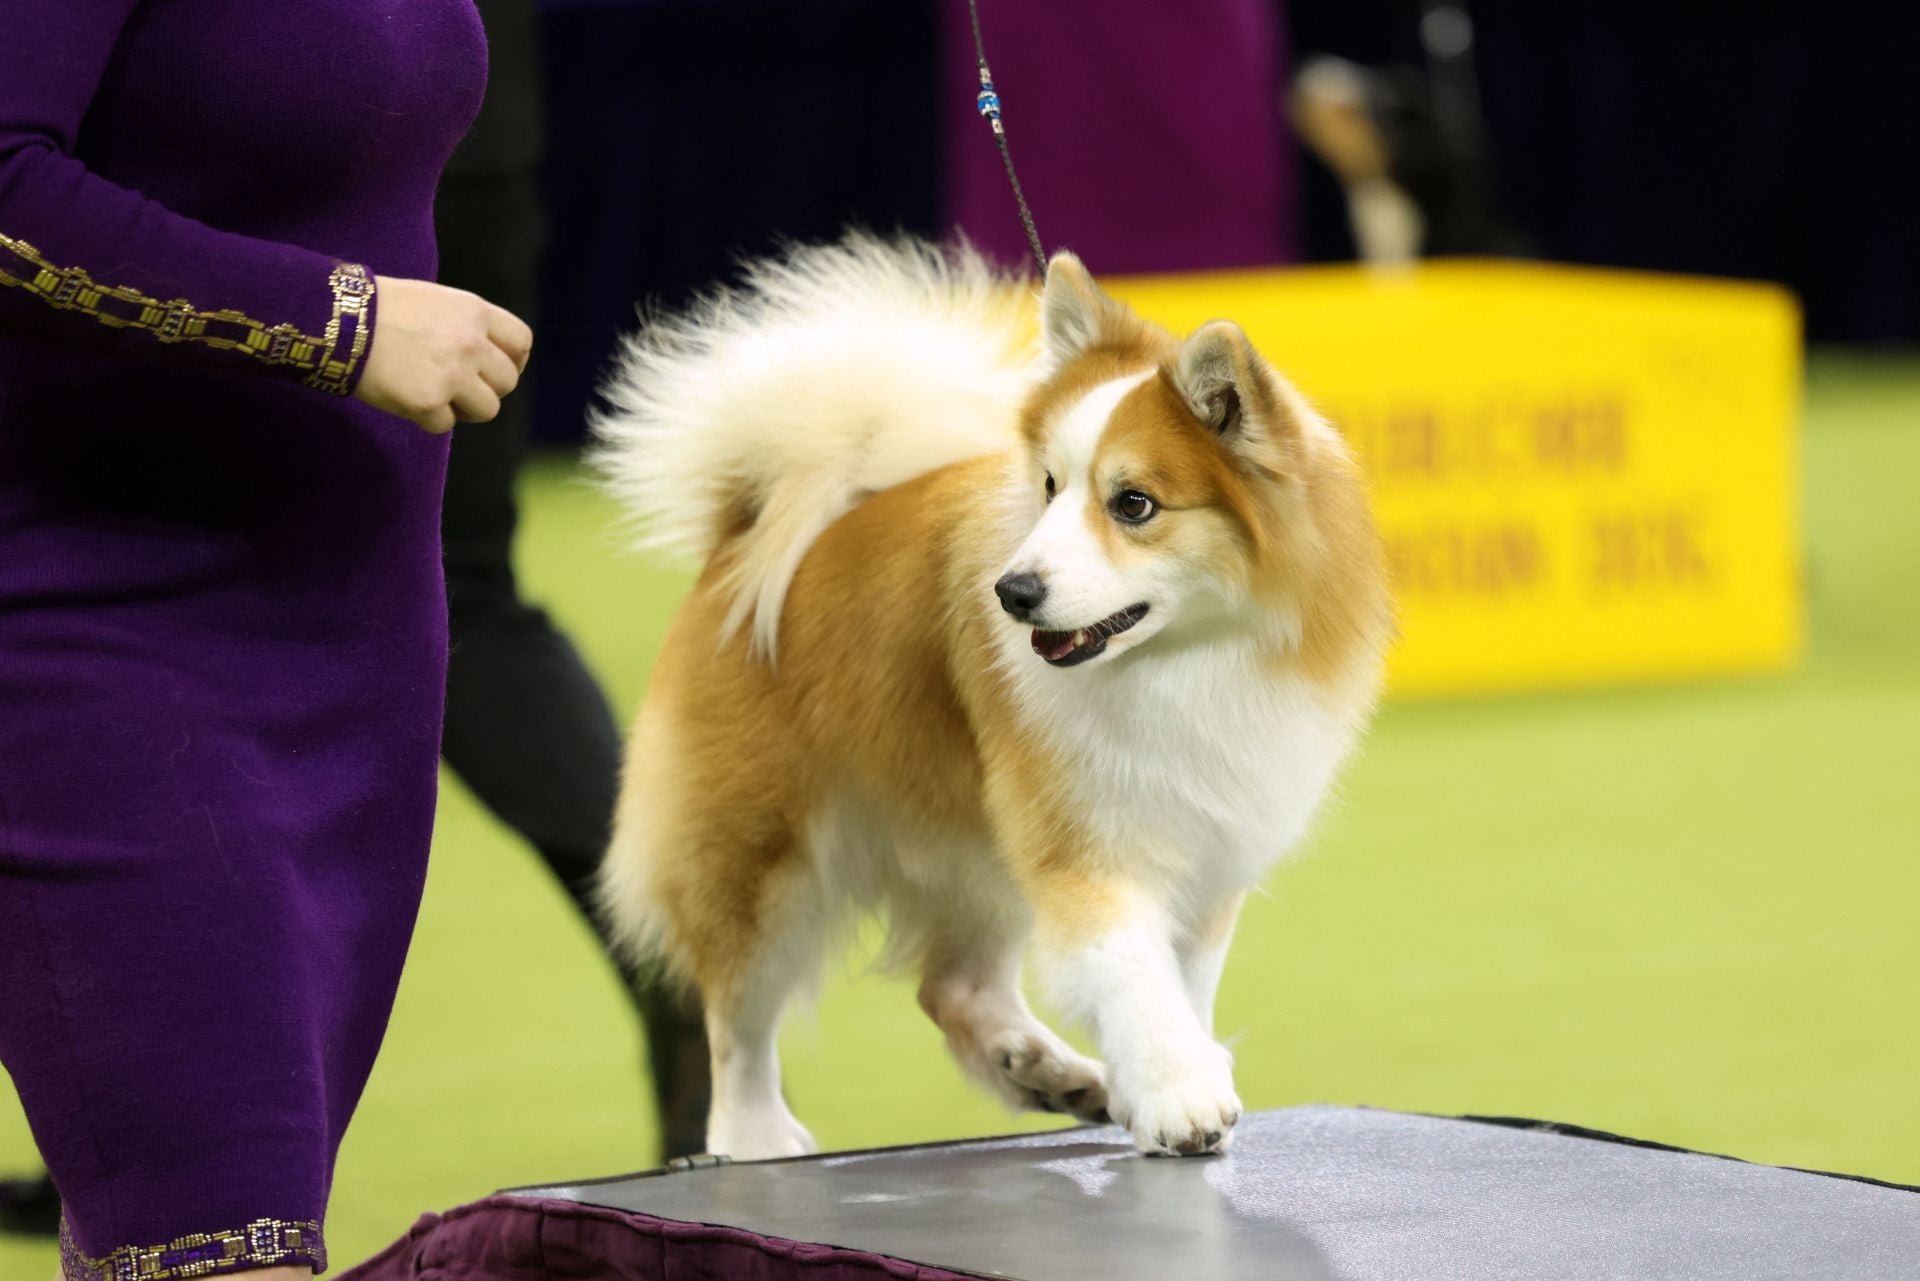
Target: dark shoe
29	1207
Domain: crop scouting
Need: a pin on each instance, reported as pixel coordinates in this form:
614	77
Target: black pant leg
528	730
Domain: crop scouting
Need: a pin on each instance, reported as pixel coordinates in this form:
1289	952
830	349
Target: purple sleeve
84	262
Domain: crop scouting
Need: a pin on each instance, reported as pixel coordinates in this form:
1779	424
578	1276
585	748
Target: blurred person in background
1752	141
1405	136
527	727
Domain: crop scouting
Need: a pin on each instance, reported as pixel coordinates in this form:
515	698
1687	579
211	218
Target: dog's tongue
1055	646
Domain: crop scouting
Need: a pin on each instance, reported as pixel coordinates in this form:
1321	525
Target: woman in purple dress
222	625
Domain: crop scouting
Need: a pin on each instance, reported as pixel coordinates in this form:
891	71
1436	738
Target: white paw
765	1136
1041	1072
1188	1112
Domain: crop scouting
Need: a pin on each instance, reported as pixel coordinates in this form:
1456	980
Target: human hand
441	355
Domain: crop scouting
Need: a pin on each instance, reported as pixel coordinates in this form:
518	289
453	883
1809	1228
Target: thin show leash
989	103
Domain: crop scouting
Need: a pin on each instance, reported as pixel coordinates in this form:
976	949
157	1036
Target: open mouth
1064	649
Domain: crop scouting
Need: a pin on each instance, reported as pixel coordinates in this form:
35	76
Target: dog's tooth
1080	637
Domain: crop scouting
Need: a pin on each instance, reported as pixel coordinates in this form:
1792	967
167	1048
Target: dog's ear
1074	314
1235	395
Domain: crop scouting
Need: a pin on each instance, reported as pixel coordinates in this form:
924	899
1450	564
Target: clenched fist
440	355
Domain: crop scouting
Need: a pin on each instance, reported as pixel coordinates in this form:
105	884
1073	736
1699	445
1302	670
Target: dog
1048	644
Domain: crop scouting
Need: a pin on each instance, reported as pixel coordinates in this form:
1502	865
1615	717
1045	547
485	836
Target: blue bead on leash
989	102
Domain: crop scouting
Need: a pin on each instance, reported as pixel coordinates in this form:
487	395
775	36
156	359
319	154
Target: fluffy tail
752	423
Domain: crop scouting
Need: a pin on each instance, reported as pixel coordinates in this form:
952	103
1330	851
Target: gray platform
1309	1192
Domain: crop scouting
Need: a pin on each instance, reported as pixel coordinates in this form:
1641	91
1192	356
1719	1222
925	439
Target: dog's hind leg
708	874
970	988
749	1119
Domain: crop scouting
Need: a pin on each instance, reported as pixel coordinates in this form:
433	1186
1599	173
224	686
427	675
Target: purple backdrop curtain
1148	137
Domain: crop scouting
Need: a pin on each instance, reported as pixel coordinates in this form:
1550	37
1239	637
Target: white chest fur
1196	762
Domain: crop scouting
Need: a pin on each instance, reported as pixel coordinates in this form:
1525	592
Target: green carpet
1687	914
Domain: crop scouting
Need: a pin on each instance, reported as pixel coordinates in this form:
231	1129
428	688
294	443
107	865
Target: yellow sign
1582	476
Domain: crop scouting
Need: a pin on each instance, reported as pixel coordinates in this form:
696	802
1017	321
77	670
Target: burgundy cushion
505	1238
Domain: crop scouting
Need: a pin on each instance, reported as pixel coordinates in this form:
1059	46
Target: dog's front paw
1188	1113
1041	1072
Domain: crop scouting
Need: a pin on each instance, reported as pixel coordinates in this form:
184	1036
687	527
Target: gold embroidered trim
329	360
262	1243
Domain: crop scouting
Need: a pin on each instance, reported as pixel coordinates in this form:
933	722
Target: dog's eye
1134	507
1049	486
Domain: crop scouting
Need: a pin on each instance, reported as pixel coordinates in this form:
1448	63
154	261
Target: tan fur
860	696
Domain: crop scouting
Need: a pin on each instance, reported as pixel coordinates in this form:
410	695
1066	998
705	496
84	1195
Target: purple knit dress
222	625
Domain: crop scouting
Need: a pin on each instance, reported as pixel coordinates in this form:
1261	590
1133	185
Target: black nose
1020	594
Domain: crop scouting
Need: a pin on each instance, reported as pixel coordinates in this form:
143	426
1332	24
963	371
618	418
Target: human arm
87	263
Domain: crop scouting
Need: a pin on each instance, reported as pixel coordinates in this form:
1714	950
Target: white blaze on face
1083	584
